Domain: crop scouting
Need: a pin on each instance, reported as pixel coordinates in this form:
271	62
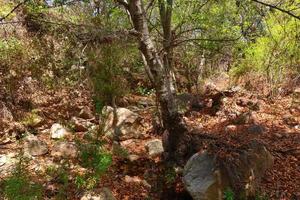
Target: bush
18	186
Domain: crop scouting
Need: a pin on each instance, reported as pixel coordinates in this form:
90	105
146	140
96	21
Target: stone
86	113
64	149
34	147
5	114
128	124
3	160
231	128
205	177
7	163
133	157
154	147
105	194
199	177
81	125
57	131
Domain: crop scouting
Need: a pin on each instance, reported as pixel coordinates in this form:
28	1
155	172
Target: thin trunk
164	86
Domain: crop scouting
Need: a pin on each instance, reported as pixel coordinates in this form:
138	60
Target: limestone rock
199	177
7	163
127	123
105	194
35	147
205	177
154	147
64	149
57	131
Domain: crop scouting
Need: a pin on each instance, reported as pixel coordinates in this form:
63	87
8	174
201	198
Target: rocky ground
46	127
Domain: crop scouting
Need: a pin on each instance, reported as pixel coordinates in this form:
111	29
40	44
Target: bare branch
123	3
277	8
13	10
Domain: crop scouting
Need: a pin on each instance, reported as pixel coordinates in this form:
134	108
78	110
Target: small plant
95	159
19	186
170	175
228	194
145	91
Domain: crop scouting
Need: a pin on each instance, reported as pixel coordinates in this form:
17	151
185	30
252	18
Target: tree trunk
164	86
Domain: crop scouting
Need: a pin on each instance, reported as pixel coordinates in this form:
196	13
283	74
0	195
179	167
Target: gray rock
105	194
64	149
57	131
34	147
7	163
127	124
199	177
5	114
154	147
205	178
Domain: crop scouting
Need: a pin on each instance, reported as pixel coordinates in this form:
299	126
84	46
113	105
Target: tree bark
164	86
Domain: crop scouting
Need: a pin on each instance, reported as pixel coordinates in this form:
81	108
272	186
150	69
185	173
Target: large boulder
34	147
127	123
200	177
205	177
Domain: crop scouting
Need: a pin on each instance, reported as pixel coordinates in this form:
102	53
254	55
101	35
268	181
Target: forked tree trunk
164	86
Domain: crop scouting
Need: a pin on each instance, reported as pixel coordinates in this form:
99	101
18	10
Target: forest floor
274	122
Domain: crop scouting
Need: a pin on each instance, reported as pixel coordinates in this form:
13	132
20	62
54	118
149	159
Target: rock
206	177
248	167
5	114
128	124
133	157
57	131
34	147
154	147
7	163
199	177
105	194
256	129
3	160
134	179
231	128
64	149
86	113
81	125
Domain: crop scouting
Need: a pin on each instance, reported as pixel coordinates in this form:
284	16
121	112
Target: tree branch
123	3
13	10
277	8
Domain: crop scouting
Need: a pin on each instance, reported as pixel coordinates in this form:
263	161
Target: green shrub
19	186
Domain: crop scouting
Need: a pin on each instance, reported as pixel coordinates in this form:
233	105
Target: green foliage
19	186
10	50
95	159
170	175
273	54
228	194
106	74
145	91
